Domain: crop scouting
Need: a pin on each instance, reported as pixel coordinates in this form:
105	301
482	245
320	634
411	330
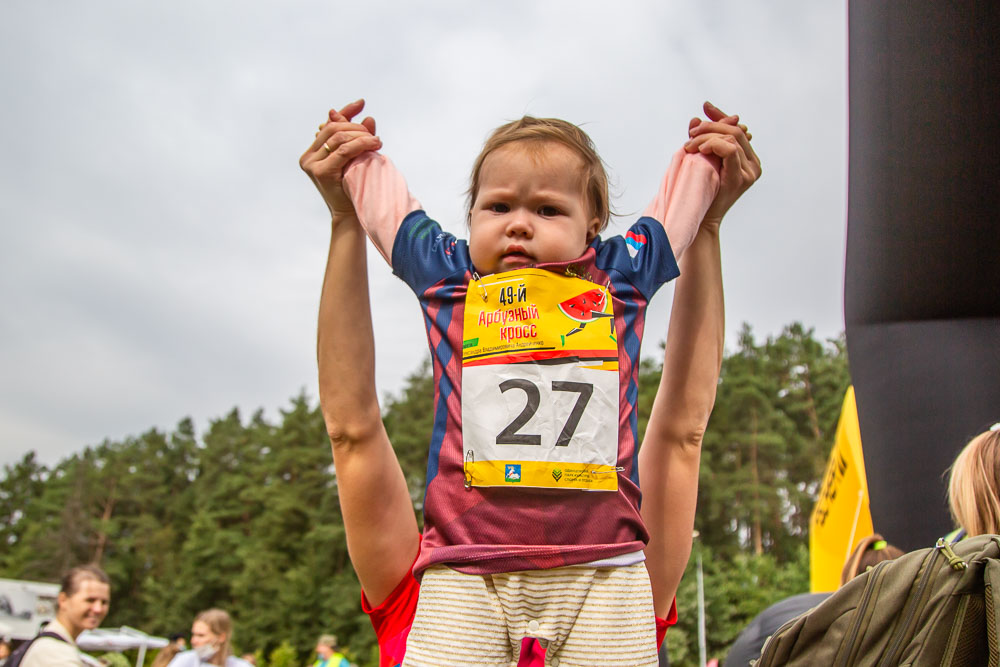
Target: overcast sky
161	252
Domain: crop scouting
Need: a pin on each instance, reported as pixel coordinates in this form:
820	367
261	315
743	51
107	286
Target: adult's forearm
671	450
379	520
345	340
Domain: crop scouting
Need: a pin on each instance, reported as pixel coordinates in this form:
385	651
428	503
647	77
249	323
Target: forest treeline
245	515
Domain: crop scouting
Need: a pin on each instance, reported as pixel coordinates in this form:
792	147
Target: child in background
539	492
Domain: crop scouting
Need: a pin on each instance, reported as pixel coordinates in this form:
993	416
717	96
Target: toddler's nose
519	223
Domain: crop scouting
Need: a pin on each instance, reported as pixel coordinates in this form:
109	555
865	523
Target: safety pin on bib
607	472
482	288
470	457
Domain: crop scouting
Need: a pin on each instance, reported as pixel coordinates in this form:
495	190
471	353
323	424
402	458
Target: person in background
974	486
870	552
84	598
165	655
4	651
327	654
250	658
211	637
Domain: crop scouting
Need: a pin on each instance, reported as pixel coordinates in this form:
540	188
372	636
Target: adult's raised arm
671	451
381	528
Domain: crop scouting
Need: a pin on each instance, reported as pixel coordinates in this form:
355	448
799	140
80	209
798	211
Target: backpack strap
991	579
18	655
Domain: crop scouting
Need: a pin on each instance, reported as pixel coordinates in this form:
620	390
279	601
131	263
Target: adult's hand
724	136
338	141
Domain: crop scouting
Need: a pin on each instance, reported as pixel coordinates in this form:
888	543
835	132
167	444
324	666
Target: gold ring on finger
327	147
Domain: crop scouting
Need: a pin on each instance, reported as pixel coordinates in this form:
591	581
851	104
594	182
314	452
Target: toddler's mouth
516	256
515	251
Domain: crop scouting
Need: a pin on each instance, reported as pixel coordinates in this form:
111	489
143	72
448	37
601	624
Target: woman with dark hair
870	552
84	597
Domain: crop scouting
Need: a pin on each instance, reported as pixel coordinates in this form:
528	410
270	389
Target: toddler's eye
499	207
548	211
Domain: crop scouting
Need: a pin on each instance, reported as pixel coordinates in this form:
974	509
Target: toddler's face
531	208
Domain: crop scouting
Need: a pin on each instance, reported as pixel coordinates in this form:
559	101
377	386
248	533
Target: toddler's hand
338	141
724	136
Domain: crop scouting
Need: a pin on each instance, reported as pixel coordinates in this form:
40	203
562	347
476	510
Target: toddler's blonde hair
538	131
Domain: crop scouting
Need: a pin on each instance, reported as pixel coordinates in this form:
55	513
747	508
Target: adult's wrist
711	225
336	217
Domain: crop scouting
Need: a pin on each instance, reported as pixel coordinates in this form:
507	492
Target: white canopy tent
120	639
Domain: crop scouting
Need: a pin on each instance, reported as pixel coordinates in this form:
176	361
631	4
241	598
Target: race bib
540	383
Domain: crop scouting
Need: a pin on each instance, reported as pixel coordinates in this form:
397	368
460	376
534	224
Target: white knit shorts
581	615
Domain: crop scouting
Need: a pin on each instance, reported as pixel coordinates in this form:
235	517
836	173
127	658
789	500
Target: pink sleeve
380	198
687	190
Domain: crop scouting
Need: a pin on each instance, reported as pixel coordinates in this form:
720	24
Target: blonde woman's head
211	636
974	486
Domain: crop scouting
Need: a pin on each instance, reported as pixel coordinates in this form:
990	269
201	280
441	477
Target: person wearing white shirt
211	634
83	601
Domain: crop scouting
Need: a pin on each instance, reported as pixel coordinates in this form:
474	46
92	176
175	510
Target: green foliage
284	656
245	516
409	421
768	440
735	591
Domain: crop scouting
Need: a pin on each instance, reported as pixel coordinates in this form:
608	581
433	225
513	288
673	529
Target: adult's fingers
737	166
325	167
347	114
732	176
332	137
718	127
331	129
716	114
348	111
349	145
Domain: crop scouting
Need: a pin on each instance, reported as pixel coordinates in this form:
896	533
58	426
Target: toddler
532	525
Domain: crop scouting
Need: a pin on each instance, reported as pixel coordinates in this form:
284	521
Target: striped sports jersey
491	529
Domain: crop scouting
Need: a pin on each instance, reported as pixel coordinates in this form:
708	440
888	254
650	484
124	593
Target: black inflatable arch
922	285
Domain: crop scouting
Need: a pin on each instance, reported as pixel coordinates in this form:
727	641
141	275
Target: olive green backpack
936	606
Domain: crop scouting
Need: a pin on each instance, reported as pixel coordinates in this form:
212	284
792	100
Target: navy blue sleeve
643	256
423	254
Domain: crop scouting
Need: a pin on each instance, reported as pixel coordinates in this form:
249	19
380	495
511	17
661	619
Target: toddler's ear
593	229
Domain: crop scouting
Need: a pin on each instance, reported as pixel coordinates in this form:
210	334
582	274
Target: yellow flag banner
841	517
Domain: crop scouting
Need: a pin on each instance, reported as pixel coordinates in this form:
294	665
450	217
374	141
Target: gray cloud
161	253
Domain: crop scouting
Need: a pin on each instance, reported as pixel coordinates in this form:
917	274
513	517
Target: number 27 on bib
540	383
